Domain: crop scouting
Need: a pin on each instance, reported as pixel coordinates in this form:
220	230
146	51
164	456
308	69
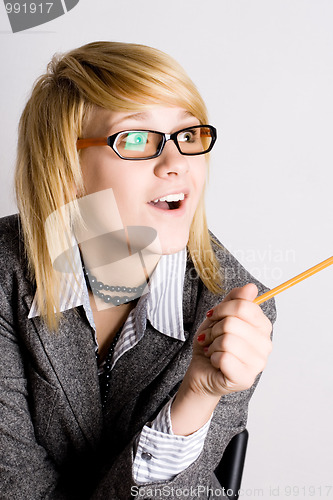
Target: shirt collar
164	304
165	300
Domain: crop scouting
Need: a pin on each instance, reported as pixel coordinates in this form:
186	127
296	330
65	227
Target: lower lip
177	212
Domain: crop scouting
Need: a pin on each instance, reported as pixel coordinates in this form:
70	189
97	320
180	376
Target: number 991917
29	8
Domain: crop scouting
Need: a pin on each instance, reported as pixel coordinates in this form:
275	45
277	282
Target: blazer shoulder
10	225
235	275
226	260
11	242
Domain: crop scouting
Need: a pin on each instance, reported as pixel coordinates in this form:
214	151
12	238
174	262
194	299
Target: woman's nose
171	161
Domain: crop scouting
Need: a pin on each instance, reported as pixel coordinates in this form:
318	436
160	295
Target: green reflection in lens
136	141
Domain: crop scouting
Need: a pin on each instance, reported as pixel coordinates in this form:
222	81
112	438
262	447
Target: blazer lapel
139	366
70	352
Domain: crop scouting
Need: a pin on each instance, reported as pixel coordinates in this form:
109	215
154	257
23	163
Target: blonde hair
112	75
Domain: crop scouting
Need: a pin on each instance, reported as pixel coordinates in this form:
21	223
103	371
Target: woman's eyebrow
186	114
144	115
141	115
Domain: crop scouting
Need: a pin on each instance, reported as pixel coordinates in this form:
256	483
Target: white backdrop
265	69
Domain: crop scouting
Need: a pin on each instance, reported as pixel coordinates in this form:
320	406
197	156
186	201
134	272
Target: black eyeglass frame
110	141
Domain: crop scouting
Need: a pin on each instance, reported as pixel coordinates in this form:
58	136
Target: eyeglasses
147	144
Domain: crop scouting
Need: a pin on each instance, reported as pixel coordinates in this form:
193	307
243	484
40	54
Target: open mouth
166	205
170	202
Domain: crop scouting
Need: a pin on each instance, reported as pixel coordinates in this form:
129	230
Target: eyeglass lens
143	143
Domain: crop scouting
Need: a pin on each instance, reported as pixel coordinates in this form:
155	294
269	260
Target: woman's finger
254	356
235	326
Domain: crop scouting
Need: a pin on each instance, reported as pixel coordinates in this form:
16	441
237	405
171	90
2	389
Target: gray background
265	69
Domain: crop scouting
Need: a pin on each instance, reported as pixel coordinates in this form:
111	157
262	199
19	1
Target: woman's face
136	184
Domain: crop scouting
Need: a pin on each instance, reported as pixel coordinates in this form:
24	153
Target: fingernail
210	313
201	337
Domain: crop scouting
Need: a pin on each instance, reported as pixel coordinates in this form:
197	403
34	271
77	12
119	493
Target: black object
105	377
230	470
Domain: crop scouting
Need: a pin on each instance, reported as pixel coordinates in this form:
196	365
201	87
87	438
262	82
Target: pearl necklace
97	286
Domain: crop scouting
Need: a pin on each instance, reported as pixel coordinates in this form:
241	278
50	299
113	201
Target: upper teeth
171	197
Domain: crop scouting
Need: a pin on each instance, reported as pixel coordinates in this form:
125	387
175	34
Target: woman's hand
230	349
231	346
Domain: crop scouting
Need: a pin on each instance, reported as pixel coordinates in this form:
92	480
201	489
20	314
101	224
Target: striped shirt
160	454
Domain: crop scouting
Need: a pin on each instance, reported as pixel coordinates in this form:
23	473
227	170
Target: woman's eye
188	136
135	141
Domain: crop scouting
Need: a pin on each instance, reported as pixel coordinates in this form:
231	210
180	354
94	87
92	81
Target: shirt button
146	456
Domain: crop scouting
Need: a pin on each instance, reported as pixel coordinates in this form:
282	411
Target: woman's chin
173	243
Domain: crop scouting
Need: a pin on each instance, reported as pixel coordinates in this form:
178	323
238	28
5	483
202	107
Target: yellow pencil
300	277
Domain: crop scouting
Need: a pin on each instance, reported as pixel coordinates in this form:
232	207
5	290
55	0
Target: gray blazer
54	441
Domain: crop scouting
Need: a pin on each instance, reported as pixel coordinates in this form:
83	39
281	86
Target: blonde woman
130	343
